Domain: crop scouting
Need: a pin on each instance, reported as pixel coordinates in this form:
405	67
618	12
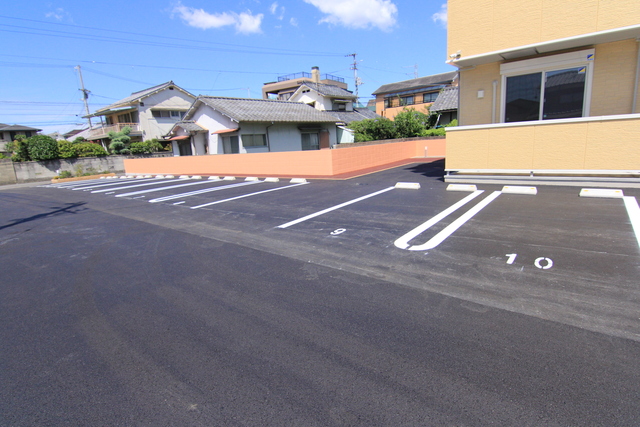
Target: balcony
103	131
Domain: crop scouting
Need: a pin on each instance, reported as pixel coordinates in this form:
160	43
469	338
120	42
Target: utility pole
356	79
415	70
85	95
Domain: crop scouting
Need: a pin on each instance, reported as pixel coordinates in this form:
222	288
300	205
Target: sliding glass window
548	92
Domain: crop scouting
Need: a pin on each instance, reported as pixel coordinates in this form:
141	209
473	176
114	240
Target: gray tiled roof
264	110
331	91
4	127
189	126
354	116
136	96
436	79
447	100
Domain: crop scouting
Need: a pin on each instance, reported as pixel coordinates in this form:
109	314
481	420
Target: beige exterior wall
472	109
588	144
614	77
481	26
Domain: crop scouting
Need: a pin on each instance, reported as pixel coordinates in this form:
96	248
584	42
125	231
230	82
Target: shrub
145	147
65	174
79	139
42	147
66	150
89	149
20	149
433	132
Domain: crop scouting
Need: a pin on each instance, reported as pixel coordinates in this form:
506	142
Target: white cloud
244	23
441	16
293	21
248	23
58	14
278	10
358	13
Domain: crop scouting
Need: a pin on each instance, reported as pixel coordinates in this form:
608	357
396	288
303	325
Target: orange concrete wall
291	163
321	163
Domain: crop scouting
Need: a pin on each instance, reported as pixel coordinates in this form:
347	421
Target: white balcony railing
104	130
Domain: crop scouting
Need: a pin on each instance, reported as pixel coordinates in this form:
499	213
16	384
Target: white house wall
207	118
311	97
281	136
152	127
199	142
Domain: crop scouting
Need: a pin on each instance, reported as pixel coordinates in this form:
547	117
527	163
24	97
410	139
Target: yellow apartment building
549	86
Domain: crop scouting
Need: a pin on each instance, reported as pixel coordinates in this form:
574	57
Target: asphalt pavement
303	304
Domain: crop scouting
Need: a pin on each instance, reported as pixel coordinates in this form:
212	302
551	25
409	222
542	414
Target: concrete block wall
11	173
7	174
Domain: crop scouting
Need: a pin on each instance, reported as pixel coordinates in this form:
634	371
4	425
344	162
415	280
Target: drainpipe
268	139
493	101
637	83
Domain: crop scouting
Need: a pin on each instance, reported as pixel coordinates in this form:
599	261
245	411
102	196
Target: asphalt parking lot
554	255
169	301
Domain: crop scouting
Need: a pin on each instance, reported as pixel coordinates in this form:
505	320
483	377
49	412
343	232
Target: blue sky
206	47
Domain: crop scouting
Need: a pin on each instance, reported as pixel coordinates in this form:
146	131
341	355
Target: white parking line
70	184
134	193
451	228
247	195
127	186
289	224
206	190
110	184
633	210
403	242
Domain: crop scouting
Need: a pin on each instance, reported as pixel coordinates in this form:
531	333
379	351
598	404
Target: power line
225	47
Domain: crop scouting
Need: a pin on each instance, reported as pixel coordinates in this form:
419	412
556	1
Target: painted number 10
542	263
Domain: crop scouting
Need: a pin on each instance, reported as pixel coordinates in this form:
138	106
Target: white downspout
494	94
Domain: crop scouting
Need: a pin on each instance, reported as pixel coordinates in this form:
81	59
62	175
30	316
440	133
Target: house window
12	134
255	140
310	141
553	87
167	114
429	97
407	100
231	144
125	118
387	102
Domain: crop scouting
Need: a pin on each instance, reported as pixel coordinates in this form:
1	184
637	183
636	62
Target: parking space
549	253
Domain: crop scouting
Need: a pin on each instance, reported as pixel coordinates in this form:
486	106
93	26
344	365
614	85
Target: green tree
120	141
42	147
373	129
410	123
